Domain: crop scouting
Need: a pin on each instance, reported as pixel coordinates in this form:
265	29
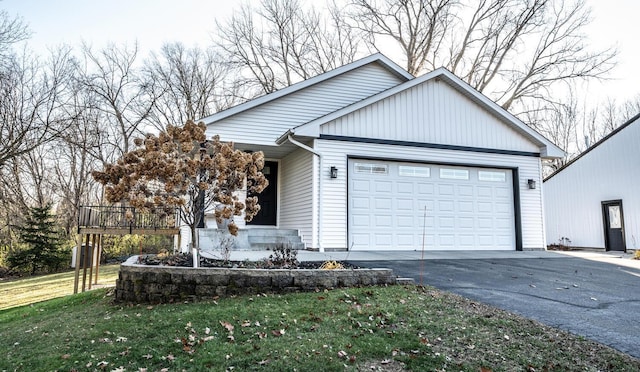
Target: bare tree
115	89
511	50
282	43
12	31
32	93
186	84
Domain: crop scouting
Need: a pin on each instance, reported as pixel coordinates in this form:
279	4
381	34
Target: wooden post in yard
98	256
85	263
92	249
77	274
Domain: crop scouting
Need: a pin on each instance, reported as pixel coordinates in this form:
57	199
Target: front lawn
371	328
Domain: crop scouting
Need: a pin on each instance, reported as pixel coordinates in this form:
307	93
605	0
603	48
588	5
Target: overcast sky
153	22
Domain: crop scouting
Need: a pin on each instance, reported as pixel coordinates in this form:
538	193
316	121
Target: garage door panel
359	203
383	221
446	222
466	223
484	207
360	185
425	189
405	204
383	186
465	206
405	188
446	206
484	192
361	221
445	190
465	191
405	222
383	203
464	209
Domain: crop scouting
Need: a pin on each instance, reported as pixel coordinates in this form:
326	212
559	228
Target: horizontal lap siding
334	193
296	194
573	197
431	112
265	123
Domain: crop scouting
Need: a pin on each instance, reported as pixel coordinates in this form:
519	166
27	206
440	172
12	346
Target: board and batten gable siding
334	192
297	194
573	197
263	124
431	112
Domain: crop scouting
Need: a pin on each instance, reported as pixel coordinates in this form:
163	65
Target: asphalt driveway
595	299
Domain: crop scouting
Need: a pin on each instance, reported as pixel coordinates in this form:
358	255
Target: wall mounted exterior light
334	172
531	183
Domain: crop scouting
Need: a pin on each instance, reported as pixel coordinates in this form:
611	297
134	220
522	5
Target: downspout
319	155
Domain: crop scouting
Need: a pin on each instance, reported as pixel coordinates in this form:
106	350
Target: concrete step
251	239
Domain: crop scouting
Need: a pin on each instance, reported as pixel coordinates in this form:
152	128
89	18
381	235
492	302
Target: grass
18	292
372	328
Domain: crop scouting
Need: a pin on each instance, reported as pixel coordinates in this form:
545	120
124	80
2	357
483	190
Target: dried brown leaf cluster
178	167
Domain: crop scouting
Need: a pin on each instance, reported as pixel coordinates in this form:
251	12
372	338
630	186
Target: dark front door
268	197
613	225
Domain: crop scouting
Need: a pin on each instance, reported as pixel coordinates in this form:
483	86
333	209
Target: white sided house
368	157
594	200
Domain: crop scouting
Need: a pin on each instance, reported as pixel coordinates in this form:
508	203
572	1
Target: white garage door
467	208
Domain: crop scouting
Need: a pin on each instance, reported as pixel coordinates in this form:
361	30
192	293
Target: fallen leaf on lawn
506	337
246	323
484	369
277	333
149	307
342	354
227	325
142	369
147	356
264	362
121	339
66	356
102	365
170	357
88	365
385	361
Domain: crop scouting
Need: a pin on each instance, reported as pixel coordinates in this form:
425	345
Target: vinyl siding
573	197
334	192
265	123
432	112
296	194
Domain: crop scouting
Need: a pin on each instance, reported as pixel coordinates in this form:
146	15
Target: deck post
77	273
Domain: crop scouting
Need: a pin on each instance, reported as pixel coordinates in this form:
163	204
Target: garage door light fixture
531	183
334	172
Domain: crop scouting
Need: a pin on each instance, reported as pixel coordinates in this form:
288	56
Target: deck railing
115	217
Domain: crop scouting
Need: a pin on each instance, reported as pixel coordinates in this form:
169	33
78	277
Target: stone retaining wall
162	284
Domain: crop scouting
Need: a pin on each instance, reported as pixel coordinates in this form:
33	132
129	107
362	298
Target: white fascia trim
378	57
548	148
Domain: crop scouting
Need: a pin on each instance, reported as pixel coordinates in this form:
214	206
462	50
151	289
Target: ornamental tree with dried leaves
180	168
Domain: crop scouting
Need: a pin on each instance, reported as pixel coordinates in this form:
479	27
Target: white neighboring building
368	157
594	200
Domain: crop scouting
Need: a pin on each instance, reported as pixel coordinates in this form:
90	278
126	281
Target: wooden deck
95	221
